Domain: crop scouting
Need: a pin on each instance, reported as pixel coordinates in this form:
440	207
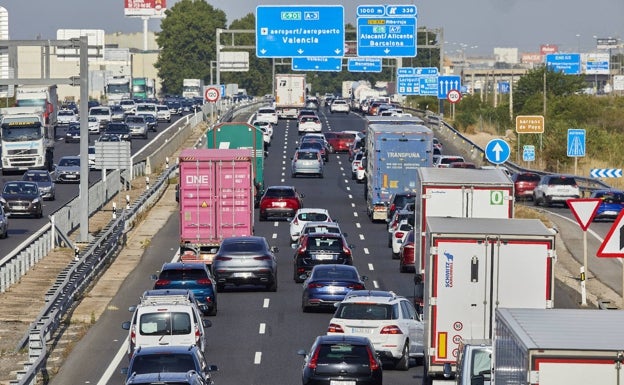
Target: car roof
381	299
171	349
370	293
183	265
342	338
246	238
313	210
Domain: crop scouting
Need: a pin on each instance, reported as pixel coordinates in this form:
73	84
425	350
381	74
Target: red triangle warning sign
584	210
613	244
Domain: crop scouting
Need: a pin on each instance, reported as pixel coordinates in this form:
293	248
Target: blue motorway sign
332	64
497	151
300	31
528	153
364	65
417	81
392	33
576	142
503	87
568	63
447	83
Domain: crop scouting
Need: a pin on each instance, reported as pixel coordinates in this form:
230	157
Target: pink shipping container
216	199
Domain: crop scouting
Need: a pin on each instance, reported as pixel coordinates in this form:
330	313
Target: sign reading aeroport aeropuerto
386	30
300	31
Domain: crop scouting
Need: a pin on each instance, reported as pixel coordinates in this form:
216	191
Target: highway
255	336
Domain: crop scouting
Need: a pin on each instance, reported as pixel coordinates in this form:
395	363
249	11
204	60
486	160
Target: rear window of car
312	217
339	353
324	243
610	196
183	274
451	160
321	229
308	155
280	193
165	323
236	247
369	311
402	200
562	181
266	111
528	178
155	363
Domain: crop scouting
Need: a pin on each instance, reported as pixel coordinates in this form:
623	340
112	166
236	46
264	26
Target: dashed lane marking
361	237
258	358
370	267
262	328
265	303
366	251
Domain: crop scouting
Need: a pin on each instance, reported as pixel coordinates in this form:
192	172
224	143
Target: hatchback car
280	202
524	184
399	200
610	206
94	125
360	173
138	125
67	170
307	162
190	276
407	260
245	261
163	113
304	216
328	284
121	129
152	122
399	235
341	360
321	227
44	181
317	249
355	163
22	198
555	189
308	123
444	160
72	133
316	145
391	323
176	378
339	105
267	114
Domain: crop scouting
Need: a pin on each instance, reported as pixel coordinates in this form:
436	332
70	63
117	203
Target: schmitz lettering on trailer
448	270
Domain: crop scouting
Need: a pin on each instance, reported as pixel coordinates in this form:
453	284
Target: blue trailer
395	149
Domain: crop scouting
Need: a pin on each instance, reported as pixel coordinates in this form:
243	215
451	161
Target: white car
390	322
398	235
355	163
93	125
360	173
339	105
309	124
164	115
267	114
66	117
268	127
91	157
303	216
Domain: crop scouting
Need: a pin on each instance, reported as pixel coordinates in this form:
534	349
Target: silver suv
307	161
555	189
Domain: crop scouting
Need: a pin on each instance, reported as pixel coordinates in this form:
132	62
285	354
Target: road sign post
529	124
576	145
386	31
497	151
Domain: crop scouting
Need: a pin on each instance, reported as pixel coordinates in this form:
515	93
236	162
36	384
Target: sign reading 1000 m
388	30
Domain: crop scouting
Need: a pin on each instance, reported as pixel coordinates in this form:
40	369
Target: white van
144	108
166	317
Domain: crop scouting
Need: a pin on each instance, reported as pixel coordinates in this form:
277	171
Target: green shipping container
240	135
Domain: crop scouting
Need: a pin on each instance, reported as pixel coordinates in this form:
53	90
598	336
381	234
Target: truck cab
474	362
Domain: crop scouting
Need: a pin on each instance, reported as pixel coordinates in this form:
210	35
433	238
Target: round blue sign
497	151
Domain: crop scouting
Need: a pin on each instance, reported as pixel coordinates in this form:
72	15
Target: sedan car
190	276
280	202
44	182
72	133
245	261
328	284
22	198
306	215
67	170
309	124
152	122
307	162
610	206
138	125
341	360
318	249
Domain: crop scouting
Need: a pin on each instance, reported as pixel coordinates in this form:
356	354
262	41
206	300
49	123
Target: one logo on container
448	270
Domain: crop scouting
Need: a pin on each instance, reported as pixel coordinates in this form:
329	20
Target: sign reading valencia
529	124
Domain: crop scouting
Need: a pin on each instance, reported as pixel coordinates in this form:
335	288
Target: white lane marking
257	358
348	188
265	303
350	196
358	225
361	237
262	328
283	162
274	236
283	180
346	180
375	285
370	267
342	169
352	204
275	224
355	214
112	367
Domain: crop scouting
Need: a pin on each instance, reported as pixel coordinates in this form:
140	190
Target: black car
122	130
342	359
399	200
72	133
22	198
319	248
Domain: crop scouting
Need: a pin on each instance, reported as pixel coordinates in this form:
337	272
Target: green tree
187	43
556	84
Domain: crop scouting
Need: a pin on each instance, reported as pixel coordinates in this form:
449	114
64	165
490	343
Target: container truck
192	88
143	88
216	200
558	346
43	97
240	135
395	149
26	142
290	95
474	266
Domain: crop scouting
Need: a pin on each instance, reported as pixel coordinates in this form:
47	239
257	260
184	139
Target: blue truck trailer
395	149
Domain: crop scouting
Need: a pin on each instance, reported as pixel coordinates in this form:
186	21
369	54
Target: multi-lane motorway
255	336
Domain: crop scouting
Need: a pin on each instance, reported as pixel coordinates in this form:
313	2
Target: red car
280	202
341	141
524	184
407	261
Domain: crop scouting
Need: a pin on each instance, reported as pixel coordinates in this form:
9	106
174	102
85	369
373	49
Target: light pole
578	42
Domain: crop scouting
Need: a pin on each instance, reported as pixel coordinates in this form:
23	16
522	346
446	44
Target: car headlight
3	201
35	201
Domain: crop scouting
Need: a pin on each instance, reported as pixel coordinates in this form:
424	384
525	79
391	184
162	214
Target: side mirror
302	352
363	278
154	277
275	249
126	325
206	323
212	368
132	308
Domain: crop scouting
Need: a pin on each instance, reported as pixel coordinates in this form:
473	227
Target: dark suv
190	276
320	248
120	129
280	202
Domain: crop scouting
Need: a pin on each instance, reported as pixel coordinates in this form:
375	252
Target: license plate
362	330
323	257
279	204
242	275
337	382
70	176
335	289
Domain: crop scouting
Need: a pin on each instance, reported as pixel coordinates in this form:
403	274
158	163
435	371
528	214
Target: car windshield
238	247
182	274
307	155
36	177
164	362
368	311
343	353
67	162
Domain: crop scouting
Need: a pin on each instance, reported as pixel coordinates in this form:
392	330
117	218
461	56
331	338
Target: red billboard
546	49
150	8
532	58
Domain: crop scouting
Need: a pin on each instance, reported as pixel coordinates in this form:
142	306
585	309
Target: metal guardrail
75	278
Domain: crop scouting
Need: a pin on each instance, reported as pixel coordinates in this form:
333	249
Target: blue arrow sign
606	173
497	151
447	83
386	36
364	65
317	64
576	142
569	64
299	31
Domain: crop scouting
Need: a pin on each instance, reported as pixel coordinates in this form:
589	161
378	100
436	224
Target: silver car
44	181
138	125
245	261
308	162
67	170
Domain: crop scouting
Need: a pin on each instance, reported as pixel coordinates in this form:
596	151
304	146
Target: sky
474	27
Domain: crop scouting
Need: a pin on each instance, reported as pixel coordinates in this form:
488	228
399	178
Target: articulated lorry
143	88
192	88
27	142
474	266
396	149
118	88
290	95
216	200
558	346
43	97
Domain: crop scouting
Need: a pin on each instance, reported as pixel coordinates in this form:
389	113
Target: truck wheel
426	379
403	362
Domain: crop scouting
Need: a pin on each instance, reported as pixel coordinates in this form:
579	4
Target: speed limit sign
211	94
453	96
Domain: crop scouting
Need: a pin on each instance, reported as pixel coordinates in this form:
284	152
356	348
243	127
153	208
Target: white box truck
558	346
474	266
290	95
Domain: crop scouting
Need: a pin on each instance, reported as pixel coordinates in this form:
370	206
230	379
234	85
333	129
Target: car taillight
391	329
162	282
356	286
197	335
220	258
335	328
204	281
315	285
392	207
372	361
346	250
399	234
133	335
263	258
295	221
314	359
